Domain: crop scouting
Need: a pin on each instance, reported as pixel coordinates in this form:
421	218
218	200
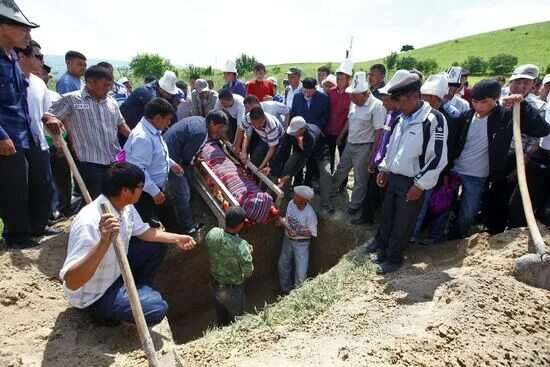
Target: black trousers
375	195
537	173
397	218
498	200
25	193
165	212
62	177
331	141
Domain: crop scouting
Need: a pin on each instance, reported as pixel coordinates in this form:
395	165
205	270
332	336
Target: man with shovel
91	276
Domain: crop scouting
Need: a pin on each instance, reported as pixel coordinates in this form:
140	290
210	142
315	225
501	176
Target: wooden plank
220	184
210	200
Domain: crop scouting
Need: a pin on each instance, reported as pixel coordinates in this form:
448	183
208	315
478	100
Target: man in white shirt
364	125
31	60
233	105
280	110
301	226
91	276
294	75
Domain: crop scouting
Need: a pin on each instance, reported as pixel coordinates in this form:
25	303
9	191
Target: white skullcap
304	191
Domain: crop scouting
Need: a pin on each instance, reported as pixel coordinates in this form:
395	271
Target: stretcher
223	181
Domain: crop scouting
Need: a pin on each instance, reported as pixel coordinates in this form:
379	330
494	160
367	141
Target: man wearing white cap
365	120
339	102
133	107
203	99
127	83
452	98
277	97
328	83
301	226
307	142
230	76
544	91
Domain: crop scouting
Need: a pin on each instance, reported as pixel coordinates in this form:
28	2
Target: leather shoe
48	231
23	244
353	211
387	267
379	258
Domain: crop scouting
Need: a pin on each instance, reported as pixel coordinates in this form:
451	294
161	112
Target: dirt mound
453	305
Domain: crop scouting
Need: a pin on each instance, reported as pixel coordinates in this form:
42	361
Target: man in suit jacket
310	104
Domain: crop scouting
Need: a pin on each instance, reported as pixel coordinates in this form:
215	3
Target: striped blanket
243	187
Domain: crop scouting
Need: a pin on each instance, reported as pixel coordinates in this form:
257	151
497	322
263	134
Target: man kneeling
91	275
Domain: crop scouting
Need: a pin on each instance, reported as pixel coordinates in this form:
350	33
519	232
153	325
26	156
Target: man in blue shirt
185	140
71	80
23	164
231	81
146	149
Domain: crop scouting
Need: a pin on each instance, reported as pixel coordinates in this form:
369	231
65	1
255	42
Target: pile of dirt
452	305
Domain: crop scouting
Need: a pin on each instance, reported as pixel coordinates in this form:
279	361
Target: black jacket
499	133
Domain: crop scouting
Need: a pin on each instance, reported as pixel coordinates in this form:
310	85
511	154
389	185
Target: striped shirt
92	124
272	131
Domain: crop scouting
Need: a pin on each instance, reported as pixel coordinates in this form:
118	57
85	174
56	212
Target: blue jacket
133	107
185	138
317	114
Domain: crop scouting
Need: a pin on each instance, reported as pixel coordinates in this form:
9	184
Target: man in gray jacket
417	153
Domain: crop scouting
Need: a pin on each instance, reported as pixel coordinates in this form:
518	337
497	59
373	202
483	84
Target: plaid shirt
92	124
272	131
15	120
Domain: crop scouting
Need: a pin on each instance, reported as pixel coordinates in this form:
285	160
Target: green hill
529	43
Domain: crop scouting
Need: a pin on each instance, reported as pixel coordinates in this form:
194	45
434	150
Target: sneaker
373	247
353	211
55	217
48	231
154	223
22	245
379	258
191	231
387	267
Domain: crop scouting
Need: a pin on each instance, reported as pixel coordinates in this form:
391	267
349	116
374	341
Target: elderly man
91	276
185	140
203	99
126	83
133	107
235	85
294	75
24	192
307	142
93	120
339	108
364	126
411	166
301	226
377	74
233	105
146	149
71	80
310	104
264	150
263	89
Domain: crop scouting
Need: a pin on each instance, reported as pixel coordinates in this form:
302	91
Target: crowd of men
425	152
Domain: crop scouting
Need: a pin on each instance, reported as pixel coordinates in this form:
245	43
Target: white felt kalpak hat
168	82
331	78
436	85
359	84
453	75
230	67
346	67
396	79
304	191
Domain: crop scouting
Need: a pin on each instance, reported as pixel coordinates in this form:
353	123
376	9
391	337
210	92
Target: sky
208	32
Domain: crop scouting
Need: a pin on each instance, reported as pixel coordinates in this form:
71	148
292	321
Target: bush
191	69
391	60
406	48
150	64
455	63
275	70
547	69
245	64
407	63
428	66
476	65
502	64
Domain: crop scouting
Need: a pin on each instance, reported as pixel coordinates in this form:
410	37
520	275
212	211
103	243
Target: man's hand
6	147
177	170
291	232
53	124
339	139
511	100
243	157
199	157
108	224
414	193
283	181
268	98
159	198
513	176
185	242
266	171
382	179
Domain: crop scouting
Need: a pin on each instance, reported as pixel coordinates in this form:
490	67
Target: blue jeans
421	215
469	203
179	189
114	305
230	301
299	251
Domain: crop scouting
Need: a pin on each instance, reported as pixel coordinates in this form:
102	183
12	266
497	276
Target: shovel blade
533	270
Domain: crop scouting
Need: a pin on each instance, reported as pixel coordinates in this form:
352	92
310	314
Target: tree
245	63
407	63
502	64
150	64
406	48
428	66
476	65
391	60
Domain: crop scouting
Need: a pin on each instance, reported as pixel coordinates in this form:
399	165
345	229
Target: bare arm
270	153
124	129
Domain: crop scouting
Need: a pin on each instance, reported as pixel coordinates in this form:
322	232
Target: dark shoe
359	221
22	245
379	258
353	211
329	208
193	229
48	231
373	247
55	217
154	223
387	267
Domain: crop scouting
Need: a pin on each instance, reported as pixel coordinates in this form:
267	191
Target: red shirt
260	89
339	109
